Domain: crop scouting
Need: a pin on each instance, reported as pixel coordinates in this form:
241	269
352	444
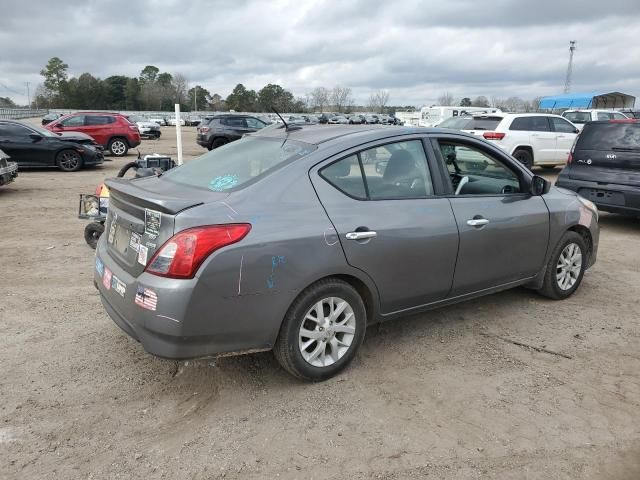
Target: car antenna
286	125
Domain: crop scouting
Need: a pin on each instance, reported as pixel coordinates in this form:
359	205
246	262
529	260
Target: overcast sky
415	49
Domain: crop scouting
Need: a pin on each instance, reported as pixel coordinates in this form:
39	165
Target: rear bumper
614	198
176	326
133	142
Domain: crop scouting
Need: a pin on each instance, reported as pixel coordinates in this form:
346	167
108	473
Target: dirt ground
438	395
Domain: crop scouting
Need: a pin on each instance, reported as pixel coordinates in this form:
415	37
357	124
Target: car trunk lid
142	217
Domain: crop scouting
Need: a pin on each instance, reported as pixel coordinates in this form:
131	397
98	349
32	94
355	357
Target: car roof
318	134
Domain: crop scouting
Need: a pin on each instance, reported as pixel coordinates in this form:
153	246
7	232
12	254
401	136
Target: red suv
111	130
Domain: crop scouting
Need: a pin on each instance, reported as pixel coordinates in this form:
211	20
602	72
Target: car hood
77	137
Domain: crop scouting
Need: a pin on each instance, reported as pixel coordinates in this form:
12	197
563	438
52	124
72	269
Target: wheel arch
528	148
586	236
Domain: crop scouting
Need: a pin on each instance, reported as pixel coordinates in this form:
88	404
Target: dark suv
604	166
218	130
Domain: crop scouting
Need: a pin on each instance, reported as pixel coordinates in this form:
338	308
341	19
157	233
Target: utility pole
195	98
28	95
567	80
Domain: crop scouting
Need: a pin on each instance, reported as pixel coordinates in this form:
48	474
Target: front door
504	230
15	141
390	224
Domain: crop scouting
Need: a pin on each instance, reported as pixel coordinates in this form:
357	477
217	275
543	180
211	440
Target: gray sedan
295	240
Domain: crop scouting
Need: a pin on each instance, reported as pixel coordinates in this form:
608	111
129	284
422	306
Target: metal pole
195	98
28	96
178	134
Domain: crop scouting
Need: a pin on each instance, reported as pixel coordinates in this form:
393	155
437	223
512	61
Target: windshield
577	117
238	163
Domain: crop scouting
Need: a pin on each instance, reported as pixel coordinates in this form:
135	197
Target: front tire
322	331
118	147
69	161
566	267
524	157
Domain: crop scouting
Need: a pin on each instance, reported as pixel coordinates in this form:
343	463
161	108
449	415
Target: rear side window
232	166
254	123
577	117
346	176
388	172
11	130
609	137
530	124
233	122
99	120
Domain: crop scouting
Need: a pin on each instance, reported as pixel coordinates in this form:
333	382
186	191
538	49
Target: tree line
155	90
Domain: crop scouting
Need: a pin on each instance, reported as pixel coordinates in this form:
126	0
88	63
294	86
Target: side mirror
539	185
35	137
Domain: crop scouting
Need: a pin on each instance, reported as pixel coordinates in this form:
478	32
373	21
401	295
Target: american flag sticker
146	298
106	278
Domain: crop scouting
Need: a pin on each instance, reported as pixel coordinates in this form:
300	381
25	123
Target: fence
17	113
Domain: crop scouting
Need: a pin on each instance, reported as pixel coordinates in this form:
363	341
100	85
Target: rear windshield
232	166
610	136
455	123
577	117
483	123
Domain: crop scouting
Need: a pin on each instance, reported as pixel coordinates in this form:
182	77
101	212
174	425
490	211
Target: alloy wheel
118	147
569	266
69	160
327	331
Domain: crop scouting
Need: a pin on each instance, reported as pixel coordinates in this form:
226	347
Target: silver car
296	239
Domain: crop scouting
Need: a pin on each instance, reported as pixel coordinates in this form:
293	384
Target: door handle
360	235
477	222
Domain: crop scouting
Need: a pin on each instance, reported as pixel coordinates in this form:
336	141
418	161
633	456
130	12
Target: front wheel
322	330
69	161
566	267
118	147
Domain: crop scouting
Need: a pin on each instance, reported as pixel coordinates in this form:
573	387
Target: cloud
416	49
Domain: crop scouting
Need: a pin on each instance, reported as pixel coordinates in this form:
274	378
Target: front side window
560	125
74	121
388	172
474	172
604	116
577	117
254	123
233	165
618	116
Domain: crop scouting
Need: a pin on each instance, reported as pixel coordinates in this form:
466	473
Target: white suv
535	139
580	117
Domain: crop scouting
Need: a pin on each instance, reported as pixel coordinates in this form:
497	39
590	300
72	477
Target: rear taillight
133	127
493	135
182	254
624	120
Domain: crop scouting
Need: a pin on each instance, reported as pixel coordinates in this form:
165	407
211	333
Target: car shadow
619	223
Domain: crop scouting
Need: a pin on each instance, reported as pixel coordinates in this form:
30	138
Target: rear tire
218	142
118	147
92	233
322	331
524	157
69	161
566	267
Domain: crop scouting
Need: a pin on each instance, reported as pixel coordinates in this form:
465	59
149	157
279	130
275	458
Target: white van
431	116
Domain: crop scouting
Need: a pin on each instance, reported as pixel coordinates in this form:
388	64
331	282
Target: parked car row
31	146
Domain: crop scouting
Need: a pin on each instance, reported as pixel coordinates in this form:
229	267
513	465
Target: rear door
236	127
504	231
98	127
608	153
382	202
541	138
